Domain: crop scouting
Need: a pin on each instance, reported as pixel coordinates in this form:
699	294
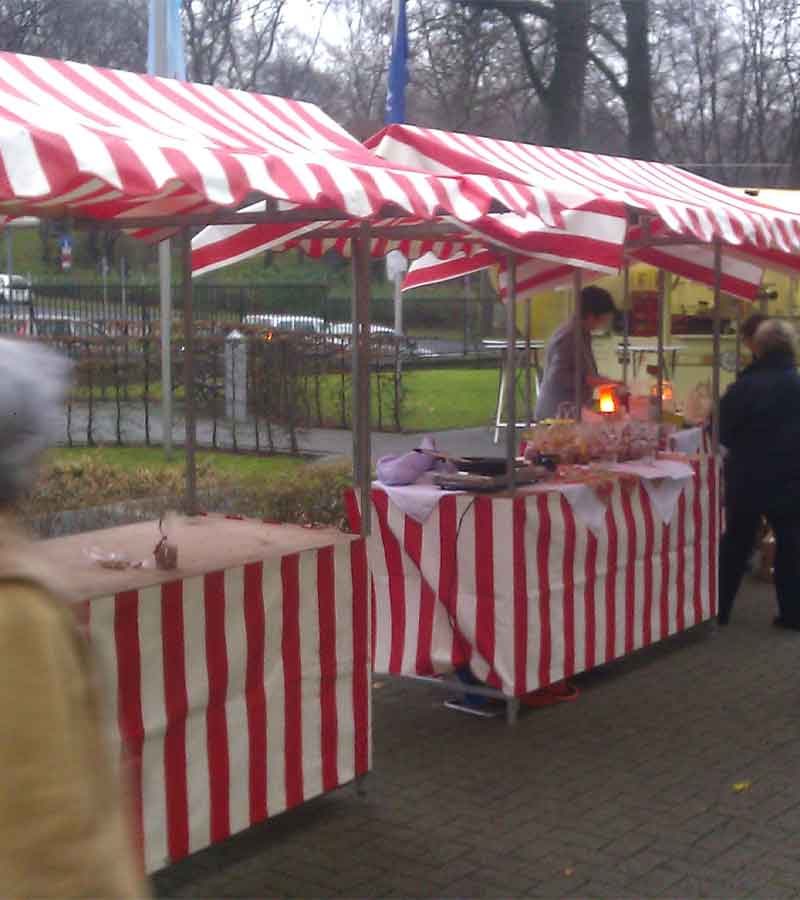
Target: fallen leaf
740	787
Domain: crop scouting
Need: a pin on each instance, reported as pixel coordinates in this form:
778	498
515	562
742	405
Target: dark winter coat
760	427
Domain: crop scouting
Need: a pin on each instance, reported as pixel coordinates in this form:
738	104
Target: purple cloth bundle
407	468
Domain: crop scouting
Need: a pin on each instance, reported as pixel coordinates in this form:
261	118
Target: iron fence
446	327
289	383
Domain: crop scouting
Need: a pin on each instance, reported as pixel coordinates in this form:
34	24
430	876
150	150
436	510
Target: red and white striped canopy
103	144
578	208
684	203
218	246
675	203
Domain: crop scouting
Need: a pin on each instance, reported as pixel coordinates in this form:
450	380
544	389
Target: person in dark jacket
748	331
760	427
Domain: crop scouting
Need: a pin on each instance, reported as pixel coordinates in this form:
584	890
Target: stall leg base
361	785
512	710
462	706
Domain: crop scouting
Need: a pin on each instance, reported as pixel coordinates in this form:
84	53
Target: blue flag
173	37
398	66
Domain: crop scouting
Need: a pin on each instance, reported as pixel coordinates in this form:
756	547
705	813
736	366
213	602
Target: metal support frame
626	319
10	263
511	362
662	288
577	283
165	292
528	384
362	453
715	389
535	376
188	372
512	703
738	336
397	290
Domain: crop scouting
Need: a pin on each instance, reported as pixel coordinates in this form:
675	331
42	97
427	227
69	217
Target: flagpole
396	114
164	58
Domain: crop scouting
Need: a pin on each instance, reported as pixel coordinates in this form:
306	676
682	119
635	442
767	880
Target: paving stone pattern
628	792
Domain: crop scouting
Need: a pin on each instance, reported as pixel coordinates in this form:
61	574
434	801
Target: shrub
312	496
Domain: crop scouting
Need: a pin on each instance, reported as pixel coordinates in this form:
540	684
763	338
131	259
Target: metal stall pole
626	320
362	452
398	330
511	370
715	390
528	385
188	372
9	262
738	337
577	282
662	282
165	293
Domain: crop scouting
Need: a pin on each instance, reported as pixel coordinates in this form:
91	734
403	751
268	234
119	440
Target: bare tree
621	53
21	23
560	85
229	41
361	63
467	71
101	32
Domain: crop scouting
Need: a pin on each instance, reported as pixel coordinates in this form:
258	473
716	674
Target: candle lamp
607	401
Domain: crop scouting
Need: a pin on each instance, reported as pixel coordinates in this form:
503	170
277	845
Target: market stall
528	589
233	697
197	692
444	601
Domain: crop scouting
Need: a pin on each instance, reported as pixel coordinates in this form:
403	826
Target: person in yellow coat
62	828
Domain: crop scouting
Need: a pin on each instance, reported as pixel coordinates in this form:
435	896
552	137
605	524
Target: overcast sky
307	16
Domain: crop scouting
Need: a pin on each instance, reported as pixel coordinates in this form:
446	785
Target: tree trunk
565	93
639	84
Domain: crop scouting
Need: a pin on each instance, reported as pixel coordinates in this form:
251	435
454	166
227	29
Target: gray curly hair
775	336
33	386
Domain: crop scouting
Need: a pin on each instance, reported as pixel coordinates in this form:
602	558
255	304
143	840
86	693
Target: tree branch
534	77
618	87
514	7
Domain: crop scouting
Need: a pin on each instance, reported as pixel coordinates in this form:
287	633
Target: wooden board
205	544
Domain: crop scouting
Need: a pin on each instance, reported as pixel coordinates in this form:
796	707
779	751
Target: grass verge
278	488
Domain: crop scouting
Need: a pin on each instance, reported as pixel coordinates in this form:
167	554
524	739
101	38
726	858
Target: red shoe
560	692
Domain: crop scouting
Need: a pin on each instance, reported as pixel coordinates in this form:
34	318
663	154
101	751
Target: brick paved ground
626	793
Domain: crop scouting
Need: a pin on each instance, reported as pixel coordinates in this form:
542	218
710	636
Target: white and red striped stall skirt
524	594
237	694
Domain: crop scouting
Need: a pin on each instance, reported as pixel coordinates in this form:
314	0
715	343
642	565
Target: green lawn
434	399
437	399
243	466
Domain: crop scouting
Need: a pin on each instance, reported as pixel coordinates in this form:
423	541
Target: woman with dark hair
558	384
760	427
749	328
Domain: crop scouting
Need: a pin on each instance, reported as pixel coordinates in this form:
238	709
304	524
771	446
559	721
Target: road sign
66	253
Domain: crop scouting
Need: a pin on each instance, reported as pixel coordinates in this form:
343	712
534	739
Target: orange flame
608	402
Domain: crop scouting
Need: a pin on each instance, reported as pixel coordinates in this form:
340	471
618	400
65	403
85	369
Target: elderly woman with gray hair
62	832
760	427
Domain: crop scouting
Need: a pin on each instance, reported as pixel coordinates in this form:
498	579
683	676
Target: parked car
285	322
56	325
344	331
15	289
